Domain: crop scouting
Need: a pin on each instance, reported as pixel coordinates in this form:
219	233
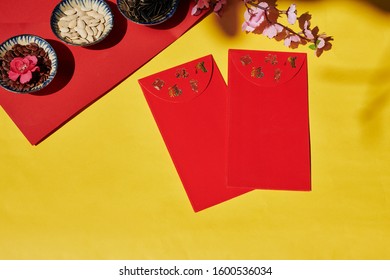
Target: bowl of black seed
28	63
147	12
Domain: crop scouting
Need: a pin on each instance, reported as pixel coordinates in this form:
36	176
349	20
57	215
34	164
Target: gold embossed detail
158	84
270	58
291	60
200	67
278	74
194	85
174	91
246	60
257	72
181	73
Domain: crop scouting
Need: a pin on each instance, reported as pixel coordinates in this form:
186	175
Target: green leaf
313	47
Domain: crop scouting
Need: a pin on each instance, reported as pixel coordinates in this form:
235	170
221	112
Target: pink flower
200	5
323	44
292	14
23	67
203	4
218	7
272	30
254	17
307	31
292	41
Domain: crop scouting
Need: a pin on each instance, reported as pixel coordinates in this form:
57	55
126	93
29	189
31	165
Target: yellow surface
104	186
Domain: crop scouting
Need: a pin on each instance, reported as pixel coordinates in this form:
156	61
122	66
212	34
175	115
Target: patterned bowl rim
168	15
54	61
53	22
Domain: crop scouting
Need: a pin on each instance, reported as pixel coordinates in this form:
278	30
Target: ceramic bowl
82	22
146	15
23	46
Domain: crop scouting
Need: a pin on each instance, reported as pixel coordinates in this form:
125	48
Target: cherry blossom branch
261	17
291	31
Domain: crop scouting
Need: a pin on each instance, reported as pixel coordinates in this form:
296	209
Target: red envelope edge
84	73
189	105
269	141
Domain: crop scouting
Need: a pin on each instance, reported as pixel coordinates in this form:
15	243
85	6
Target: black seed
146	11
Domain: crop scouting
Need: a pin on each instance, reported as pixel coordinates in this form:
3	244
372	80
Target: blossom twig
261	17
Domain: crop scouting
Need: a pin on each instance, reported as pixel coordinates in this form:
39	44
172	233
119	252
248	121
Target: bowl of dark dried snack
147	12
28	63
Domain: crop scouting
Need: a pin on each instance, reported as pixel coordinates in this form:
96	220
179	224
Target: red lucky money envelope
84	73
269	142
189	105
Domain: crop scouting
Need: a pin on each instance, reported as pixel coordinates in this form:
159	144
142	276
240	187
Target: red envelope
85	73
188	103
269	145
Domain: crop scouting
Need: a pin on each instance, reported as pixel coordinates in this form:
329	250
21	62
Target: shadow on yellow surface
372	115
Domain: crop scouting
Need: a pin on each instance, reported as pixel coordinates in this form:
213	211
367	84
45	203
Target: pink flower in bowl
23	67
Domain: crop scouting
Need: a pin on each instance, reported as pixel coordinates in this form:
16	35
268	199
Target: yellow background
104	186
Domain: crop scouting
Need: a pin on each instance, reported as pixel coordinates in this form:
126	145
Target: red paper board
85	73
